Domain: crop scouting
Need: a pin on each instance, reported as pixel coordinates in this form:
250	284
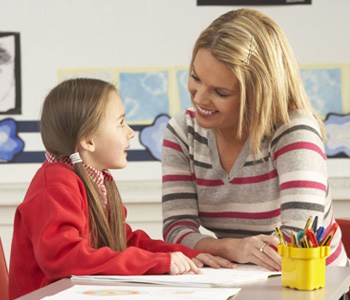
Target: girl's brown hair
72	111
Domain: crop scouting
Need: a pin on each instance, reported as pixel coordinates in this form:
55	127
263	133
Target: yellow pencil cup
303	268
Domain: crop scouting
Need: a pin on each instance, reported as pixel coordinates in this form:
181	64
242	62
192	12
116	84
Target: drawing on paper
111	292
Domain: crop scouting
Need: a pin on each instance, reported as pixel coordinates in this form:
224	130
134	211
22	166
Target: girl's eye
121	123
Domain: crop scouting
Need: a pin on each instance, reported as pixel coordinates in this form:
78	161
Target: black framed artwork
338	135
10	73
252	2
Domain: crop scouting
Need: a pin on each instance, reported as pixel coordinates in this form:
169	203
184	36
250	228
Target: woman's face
215	92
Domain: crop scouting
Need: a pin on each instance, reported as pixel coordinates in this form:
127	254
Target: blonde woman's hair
73	110
254	47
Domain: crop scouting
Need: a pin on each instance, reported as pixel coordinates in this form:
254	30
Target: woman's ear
87	144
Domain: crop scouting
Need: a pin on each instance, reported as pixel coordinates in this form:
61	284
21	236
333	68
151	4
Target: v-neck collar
237	166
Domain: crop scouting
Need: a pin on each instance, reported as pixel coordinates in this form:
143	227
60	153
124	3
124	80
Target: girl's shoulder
58	171
54	183
54	175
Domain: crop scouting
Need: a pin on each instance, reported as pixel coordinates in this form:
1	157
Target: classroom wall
144	33
134	33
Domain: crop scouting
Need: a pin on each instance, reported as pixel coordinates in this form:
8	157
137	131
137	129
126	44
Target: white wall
134	33
143	33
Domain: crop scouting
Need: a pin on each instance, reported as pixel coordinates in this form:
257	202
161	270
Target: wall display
147	58
328	87
152	95
10	73
338	135
10	143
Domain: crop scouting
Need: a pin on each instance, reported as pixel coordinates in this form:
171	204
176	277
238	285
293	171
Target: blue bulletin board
152	95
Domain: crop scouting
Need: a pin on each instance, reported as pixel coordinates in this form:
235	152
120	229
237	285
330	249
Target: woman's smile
205	112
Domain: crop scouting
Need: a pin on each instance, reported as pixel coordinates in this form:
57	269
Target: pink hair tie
75	158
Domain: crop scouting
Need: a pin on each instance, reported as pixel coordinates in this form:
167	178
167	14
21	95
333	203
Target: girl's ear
87	144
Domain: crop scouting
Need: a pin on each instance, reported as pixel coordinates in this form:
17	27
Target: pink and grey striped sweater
284	186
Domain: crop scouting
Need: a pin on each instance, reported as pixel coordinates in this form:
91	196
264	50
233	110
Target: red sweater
51	237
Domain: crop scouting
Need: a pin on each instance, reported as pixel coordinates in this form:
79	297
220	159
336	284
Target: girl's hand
216	262
181	264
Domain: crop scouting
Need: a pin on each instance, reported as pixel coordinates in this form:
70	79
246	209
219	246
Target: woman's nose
201	96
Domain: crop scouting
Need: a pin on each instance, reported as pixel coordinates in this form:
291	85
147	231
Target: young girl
72	220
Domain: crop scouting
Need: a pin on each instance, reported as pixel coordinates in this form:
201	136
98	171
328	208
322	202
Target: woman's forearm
220	247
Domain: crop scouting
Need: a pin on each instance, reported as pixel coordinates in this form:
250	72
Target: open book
209	277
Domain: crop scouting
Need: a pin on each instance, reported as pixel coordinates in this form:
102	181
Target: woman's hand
259	249
181	264
216	262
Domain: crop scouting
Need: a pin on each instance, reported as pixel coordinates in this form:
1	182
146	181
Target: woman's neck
229	147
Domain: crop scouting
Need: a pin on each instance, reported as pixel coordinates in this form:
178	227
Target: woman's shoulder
186	122
184	126
300	119
185	117
301	115
303	126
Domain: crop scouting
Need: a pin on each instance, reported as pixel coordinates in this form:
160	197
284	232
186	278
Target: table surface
337	284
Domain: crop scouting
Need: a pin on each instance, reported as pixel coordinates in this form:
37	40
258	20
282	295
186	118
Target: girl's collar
97	176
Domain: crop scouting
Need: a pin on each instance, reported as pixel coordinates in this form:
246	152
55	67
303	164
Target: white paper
209	277
86	292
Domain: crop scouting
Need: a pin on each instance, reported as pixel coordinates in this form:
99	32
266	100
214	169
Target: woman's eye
222	93
195	77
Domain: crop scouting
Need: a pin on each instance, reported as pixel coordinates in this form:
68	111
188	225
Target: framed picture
252	2
327	87
338	135
10	73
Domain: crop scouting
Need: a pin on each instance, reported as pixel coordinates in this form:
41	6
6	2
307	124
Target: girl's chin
119	166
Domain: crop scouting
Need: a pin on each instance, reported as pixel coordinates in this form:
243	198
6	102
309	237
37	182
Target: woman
249	156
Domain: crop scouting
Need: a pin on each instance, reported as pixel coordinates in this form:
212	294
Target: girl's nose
131	134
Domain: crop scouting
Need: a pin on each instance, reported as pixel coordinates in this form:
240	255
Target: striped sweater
286	184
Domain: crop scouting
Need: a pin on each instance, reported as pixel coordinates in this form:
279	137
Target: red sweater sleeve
139	238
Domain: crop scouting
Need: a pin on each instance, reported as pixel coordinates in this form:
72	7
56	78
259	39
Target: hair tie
75	158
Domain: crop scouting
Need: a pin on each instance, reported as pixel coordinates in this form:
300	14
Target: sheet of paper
85	292
209	277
